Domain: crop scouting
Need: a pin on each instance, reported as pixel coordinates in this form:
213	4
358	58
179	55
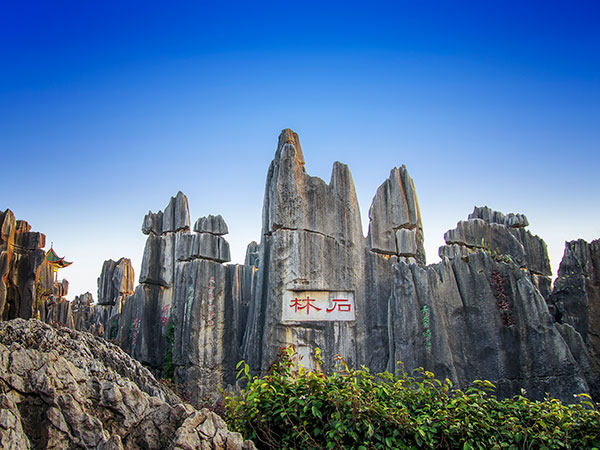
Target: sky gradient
107	110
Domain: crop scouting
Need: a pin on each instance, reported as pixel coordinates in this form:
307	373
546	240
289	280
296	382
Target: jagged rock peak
512	220
295	200
82	300
176	217
211	224
502	235
290	138
116	280
395	226
252	254
7	224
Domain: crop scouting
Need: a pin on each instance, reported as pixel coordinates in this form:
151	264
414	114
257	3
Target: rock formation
60	387
312	241
115	282
485	311
20	256
316	281
575	305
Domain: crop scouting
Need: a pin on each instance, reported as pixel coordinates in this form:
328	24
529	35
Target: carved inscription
303	306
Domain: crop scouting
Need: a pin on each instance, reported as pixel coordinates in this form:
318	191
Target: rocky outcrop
502	236
175	218
575	302
60	388
395	226
252	254
115	282
312	241
20	256
480	319
185	311
314	281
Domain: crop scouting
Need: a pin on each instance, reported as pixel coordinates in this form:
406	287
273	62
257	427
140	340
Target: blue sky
107	110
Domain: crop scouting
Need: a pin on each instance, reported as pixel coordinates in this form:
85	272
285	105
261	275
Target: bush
355	409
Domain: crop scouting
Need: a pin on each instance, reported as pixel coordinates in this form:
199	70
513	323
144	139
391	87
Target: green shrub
297	409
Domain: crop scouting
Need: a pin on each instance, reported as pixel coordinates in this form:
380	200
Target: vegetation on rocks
295	408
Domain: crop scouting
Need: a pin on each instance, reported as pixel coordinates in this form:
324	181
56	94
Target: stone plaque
310	306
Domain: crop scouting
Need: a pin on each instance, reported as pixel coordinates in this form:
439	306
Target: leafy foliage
294	408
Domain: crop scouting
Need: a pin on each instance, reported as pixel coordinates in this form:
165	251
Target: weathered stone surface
65	389
20	257
575	299
394	208
480	313
590	365
204	425
492	237
536	252
143	324
490	216
58	313
116	281
311	240
406	241
252	254
158	262
454	251
82	308
211	224
203	245
480	319
201	332
175	218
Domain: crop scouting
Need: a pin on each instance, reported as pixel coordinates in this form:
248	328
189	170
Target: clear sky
109	108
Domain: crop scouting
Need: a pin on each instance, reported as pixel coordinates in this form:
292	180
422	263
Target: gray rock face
501	236
175	218
203	245
510	220
62	388
252	254
312	241
21	255
395	226
115	282
575	299
480	319
316	281
211	224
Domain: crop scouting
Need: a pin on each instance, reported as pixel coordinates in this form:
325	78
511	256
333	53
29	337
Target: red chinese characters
300	305
341	304
303	303
165	315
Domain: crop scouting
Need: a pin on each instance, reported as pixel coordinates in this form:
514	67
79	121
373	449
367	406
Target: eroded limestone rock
116	281
395	226
62	388
21	255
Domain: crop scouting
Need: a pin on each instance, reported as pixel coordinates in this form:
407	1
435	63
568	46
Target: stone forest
487	311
